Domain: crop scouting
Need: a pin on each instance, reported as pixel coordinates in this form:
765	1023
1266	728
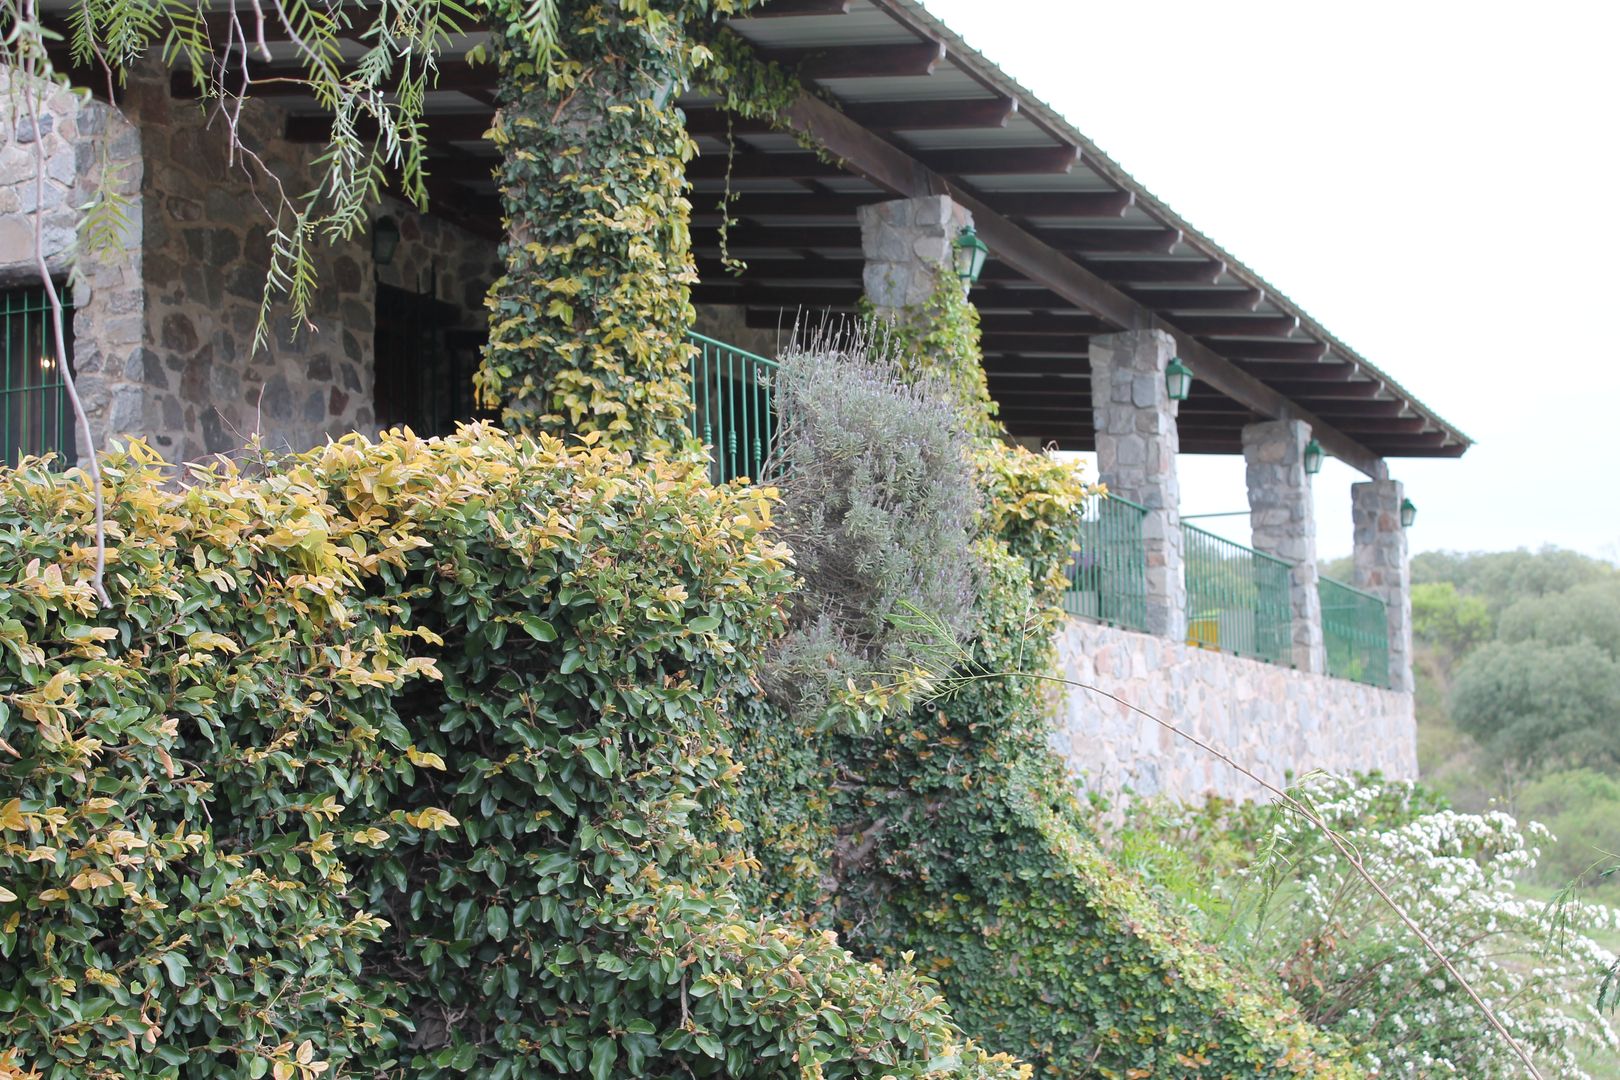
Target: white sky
1432	181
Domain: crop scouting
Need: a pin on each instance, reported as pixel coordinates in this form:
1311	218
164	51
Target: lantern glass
1313	458
970	254
1408	513
384	240
1178	379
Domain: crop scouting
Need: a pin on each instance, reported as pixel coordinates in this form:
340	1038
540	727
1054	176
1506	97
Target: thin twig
33	86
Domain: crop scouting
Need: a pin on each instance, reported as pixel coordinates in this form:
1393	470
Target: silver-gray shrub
878	504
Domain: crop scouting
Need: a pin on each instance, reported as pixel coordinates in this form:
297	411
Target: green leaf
538	628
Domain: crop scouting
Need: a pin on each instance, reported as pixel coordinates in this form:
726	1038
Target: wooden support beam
861	61
1151	271
796	165
778	9
1304	351
1111	241
1297	372
1386	425
1246	326
964	115
748	234
443	127
1348	389
1197	299
1012	160
290	80
1341	408
1010	326
838	206
797	270
903	174
1064	204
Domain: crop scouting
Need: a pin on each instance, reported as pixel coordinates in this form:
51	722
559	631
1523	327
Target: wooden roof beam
965	115
779	9
861	61
1197	299
904	175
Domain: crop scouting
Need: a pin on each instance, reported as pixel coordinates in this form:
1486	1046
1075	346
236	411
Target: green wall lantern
384	240
1313	458
970	253
1408	513
1178	379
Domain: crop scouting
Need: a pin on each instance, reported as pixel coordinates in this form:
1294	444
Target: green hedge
408	757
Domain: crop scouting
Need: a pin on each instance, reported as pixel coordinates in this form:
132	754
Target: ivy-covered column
911	286
588	322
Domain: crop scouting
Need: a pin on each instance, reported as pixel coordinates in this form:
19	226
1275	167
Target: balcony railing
1237	598
1108	576
733	409
1355	631
34	414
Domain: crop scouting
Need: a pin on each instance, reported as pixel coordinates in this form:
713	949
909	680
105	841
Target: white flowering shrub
1302	912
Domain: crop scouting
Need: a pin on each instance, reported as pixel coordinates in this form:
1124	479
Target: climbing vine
588	321
940	338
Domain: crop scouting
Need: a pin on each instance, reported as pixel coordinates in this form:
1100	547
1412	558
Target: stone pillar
908	243
1282	522
1382	567
1136	457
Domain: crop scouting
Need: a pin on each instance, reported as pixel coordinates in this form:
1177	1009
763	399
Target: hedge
409	758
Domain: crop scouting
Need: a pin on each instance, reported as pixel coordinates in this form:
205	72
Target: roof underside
903	77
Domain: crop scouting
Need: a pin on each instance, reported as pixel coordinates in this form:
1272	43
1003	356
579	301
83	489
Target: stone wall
164	329
729	323
87	144
208	248
1274	720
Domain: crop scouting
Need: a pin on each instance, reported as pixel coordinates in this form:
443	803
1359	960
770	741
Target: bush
950	836
877	509
405	758
1535	705
1297	910
1581	807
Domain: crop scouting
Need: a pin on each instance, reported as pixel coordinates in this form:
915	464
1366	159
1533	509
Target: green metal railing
1237	598
35	417
733	407
1355	631
1108	575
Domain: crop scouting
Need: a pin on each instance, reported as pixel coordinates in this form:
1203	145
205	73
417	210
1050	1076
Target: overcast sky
1432	181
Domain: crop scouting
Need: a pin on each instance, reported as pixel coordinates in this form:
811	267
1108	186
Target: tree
1536	705
1588	612
1443	617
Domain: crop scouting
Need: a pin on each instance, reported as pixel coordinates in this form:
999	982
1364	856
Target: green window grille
35	415
1237	598
733	407
1355	633
1108	575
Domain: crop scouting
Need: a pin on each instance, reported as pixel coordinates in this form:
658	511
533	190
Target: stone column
1382	567
908	243
1282	522
1136	457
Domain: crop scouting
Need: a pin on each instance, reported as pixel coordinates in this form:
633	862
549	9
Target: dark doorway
423	363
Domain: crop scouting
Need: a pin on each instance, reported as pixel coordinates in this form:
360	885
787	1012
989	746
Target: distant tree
1534	705
1502	577
1588	612
1447	619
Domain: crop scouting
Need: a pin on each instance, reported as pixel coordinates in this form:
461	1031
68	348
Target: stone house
1094	297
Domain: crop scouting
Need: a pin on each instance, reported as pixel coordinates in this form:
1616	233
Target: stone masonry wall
207	248
86	144
1274	720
